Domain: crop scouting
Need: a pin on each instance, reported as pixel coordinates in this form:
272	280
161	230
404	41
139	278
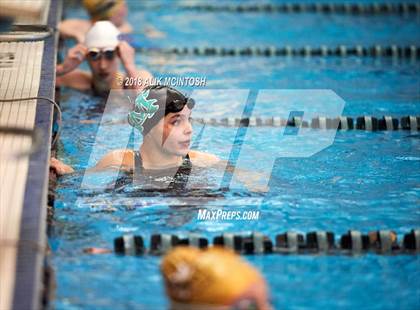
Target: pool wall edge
30	259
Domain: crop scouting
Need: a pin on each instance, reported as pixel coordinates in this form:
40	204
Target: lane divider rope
395	51
352	242
328	8
368	123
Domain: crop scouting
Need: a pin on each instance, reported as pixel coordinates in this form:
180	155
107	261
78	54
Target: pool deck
27	69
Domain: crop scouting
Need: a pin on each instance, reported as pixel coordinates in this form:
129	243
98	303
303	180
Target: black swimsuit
169	178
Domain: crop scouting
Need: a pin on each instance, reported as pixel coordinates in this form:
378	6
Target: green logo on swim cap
143	109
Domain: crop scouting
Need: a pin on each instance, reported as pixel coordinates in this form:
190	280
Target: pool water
364	180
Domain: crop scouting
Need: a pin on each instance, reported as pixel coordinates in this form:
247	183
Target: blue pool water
364	180
274	29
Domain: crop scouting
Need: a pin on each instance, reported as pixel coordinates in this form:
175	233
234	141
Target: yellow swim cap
212	277
101	9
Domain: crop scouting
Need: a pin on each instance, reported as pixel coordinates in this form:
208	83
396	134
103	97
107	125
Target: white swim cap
102	34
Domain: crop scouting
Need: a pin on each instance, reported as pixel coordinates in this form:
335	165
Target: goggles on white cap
96	53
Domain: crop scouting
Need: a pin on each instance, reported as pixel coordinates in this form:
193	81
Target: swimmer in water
103	52
213	279
114	11
163	115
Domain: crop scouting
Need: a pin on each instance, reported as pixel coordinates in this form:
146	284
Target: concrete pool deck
27	69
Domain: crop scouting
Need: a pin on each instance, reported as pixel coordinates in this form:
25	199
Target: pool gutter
30	259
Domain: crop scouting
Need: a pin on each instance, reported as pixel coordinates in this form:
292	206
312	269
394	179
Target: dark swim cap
154	103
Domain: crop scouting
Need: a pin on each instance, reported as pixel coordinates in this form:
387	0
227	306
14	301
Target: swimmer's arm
254	181
202	159
75	56
250	179
118	159
76	79
74	29
145	76
127	55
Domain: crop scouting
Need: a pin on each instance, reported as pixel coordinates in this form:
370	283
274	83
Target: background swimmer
102	50
114	11
214	278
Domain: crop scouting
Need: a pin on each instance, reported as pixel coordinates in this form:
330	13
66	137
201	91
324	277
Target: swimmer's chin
184	145
182	152
104	76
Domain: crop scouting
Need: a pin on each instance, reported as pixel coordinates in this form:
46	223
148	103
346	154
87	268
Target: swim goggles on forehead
96	53
178	104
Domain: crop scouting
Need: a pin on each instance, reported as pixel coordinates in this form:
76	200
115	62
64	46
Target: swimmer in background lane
102	50
209	279
163	115
114	11
213	279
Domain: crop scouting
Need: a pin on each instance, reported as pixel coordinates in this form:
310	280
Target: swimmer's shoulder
125	28
118	159
202	159
75	22
77	79
74	28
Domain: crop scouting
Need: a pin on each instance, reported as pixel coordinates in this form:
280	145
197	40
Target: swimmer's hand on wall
75	56
59	167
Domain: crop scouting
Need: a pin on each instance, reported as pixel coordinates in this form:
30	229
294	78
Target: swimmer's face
119	15
103	69
173	133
